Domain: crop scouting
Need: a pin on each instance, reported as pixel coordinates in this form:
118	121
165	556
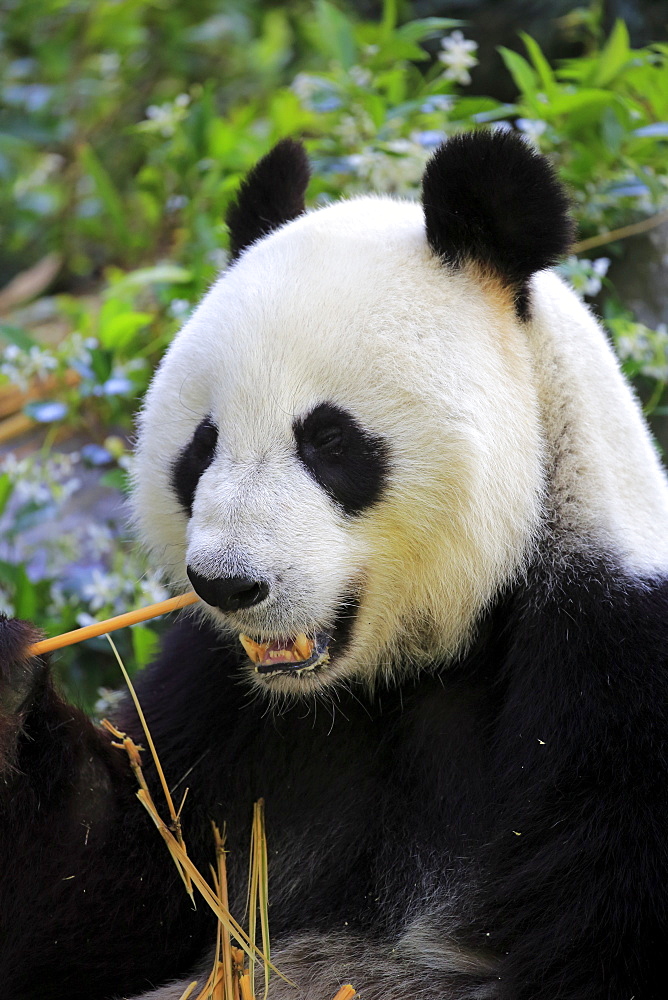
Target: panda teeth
294	671
295	656
303	645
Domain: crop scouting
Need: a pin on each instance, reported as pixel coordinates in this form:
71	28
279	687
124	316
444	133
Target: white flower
15	468
218	257
108	63
585	275
531	128
30	491
6	606
399	173
59	599
458	56
99	540
102	589
178	308
438	102
59	468
76	349
360	75
127	462
315	92
500	127
41	362
305	86
152	589
108	700
165	118
21	366
599	269
176	202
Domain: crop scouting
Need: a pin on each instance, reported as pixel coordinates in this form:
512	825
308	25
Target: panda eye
329	439
192	462
349	463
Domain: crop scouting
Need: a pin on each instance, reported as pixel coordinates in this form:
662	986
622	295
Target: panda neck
605	487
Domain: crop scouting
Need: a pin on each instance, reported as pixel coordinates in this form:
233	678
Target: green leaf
614	56
107	193
117	332
102	361
116	479
144	645
17	336
161	274
336	33
612	130
396	49
540	63
23	593
417	31
583	100
6	490
272	50
524	76
389	19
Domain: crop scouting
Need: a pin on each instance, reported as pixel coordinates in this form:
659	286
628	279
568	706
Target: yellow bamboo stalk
345	993
245	987
189	992
111	624
223	932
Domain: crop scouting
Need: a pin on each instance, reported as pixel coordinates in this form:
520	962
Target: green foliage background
125	128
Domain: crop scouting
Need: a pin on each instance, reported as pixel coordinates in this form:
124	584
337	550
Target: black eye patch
195	459
350	464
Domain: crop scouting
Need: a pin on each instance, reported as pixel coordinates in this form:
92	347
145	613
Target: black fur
192	462
490	198
270	195
348	462
520	796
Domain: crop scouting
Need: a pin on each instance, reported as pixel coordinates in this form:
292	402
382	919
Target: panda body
389	430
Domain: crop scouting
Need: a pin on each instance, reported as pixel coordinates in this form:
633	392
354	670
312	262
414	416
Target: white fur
348	305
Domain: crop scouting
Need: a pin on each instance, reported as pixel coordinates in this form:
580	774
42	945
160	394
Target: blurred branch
622	233
31	283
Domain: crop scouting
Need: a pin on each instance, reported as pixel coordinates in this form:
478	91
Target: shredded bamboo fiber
233	974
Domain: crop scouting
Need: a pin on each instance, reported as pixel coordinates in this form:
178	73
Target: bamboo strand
189	992
224	933
111	624
176	822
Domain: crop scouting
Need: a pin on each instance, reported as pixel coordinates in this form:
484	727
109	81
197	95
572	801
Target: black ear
271	194
489	198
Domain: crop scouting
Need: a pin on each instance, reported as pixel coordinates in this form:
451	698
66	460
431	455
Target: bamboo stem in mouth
111	624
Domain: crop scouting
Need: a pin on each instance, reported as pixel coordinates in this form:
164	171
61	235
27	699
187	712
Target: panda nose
229	593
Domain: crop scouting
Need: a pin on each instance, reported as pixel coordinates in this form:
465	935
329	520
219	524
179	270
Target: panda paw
19	671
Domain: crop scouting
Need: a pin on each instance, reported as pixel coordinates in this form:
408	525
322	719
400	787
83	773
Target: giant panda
394	455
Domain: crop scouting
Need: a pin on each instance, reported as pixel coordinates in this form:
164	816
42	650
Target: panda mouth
303	655
287	656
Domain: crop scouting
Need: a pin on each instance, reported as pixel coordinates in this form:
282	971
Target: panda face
320	456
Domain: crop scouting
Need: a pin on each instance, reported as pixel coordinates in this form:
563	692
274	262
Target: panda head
342	451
